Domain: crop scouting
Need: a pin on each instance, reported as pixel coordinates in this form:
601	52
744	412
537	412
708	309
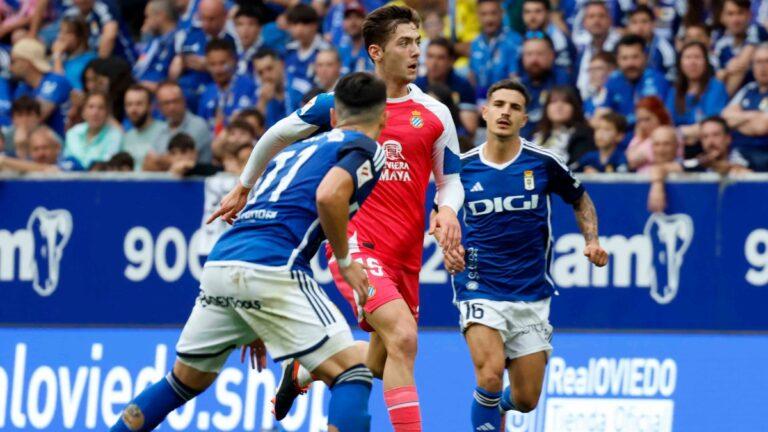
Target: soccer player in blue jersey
257	282
501	281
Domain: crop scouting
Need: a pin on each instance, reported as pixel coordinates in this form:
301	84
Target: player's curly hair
380	24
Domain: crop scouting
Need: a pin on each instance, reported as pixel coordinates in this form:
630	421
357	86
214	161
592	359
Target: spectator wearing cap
173	107
633	80
539	75
70	51
736	45
440	59
228	93
747	114
96	139
44	155
354	56
248	30
697	93
494	52
327	70
154	64
145	130
108	34
536	17
25	116
600	69
650	114
301	52
188	67
275	100
660	52
30	67
599	35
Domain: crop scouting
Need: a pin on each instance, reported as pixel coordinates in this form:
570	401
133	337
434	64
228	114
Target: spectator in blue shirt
248	29
28	64
697	94
188	67
154	64
70	51
633	80
186	10
661	54
599	35
536	17
735	47
228	93
440	59
747	114
495	51
539	75
354	56
601	67
275	100
5	103
327	70
610	129
108	34
300	54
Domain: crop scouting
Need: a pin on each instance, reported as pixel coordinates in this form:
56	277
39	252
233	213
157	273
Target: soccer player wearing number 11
501	281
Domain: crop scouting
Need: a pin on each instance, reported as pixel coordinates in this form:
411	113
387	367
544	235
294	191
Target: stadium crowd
654	87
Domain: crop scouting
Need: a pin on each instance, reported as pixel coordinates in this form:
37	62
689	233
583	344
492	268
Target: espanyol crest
416	120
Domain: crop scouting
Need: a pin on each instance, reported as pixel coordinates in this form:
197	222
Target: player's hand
454	260
447	223
231	204
596	255
357	278
258	354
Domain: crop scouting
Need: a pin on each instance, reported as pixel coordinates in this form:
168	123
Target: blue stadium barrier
115	252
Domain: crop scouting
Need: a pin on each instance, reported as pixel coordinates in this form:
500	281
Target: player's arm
586	217
450	192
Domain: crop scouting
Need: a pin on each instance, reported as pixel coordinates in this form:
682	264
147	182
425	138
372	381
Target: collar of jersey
495	165
402	98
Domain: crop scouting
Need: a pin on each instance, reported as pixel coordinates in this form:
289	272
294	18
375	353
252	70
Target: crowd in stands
647	86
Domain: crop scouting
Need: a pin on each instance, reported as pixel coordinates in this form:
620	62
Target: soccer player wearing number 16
257	282
501	282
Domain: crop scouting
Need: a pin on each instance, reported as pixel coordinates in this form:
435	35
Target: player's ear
375	52
333	118
484	112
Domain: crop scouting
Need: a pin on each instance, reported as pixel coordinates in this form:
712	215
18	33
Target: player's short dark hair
266	52
221	44
445	43
121	160
510	84
141	88
719	120
182	142
630	40
248	12
25	105
544	3
642	9
302	14
241	124
741	4
380	24
618	121
360	94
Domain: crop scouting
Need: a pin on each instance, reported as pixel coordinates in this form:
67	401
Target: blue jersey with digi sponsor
507	236
53	89
279	228
623	94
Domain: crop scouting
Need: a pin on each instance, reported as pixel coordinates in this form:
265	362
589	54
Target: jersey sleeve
364	160
317	111
446	164
563	183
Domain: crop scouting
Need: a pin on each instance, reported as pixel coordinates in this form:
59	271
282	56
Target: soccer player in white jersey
501	282
257	282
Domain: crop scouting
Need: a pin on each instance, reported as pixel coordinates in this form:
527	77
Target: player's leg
375	355
396	328
210	334
486	348
526	377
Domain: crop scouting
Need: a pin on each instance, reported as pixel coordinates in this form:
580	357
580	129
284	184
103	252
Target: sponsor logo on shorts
228	302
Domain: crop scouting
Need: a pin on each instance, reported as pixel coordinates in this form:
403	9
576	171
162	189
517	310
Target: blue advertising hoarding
79	380
130	253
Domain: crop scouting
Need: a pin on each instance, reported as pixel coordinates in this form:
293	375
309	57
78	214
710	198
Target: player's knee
402	343
490	379
526	401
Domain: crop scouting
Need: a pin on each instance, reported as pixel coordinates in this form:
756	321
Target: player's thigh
214	328
396	327
376	355
333	366
295	317
486	347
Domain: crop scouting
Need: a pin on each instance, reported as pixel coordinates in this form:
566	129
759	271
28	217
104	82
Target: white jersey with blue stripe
507	233
279	228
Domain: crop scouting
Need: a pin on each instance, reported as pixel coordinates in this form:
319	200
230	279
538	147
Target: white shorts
524	326
287	310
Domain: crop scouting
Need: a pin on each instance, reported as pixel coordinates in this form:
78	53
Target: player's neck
500	150
371	131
